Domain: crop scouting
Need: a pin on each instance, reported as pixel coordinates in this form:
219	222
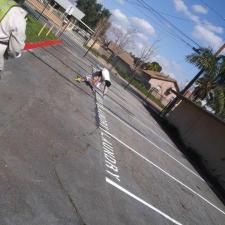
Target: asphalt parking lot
70	157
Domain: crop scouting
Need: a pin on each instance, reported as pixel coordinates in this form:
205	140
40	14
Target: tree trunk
90	47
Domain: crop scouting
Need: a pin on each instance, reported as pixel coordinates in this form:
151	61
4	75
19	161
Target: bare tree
122	39
145	55
102	26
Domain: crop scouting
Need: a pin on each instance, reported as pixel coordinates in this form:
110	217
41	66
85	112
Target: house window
167	92
158	88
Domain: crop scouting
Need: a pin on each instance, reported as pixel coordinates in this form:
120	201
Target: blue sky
196	18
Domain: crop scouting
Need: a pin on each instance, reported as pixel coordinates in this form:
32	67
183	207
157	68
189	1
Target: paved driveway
68	157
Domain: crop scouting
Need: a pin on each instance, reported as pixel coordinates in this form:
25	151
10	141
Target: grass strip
32	30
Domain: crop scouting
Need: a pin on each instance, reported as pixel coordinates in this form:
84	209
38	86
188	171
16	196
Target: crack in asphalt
80	219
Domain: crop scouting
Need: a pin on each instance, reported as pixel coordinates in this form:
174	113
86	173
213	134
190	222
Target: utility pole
173	103
65	27
44	9
101	26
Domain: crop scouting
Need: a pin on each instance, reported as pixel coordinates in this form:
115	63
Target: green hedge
140	86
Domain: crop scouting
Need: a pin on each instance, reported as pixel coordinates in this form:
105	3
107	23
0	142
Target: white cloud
181	7
207	36
212	27
143	29
118	16
140	46
119	26
171	68
200	9
204	31
143	25
120	1
141	36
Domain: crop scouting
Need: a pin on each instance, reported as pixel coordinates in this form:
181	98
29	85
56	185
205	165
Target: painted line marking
160	149
107	146
163	171
141	201
151	130
153	123
158	135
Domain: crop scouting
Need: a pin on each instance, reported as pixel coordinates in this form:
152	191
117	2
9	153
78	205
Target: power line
172	34
160	23
157	14
176	17
167	27
172	16
215	11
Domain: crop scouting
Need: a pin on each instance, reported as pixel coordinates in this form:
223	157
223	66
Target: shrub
140	86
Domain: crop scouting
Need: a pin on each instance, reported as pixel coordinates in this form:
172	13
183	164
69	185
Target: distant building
66	6
188	94
55	10
123	60
160	85
69	7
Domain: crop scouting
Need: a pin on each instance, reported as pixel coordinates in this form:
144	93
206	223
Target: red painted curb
42	44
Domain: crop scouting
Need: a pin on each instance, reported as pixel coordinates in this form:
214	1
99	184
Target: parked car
83	33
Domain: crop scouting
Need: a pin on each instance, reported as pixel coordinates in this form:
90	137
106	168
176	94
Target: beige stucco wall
48	12
98	47
204	133
164	86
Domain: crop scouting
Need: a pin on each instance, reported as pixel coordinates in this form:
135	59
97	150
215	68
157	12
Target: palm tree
211	86
204	59
217	102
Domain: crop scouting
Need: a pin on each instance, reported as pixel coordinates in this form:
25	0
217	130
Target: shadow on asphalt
61	75
174	135
58	58
88	57
188	152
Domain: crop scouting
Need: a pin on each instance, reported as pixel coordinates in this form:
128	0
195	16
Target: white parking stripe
141	201
151	130
163	171
153	123
109	155
191	171
156	134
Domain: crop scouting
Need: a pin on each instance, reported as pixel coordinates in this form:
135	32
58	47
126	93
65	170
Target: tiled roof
127	58
160	76
123	55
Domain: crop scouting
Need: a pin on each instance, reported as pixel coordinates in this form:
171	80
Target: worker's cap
107	83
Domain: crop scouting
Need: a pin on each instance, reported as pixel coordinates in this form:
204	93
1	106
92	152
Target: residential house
122	60
160	85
